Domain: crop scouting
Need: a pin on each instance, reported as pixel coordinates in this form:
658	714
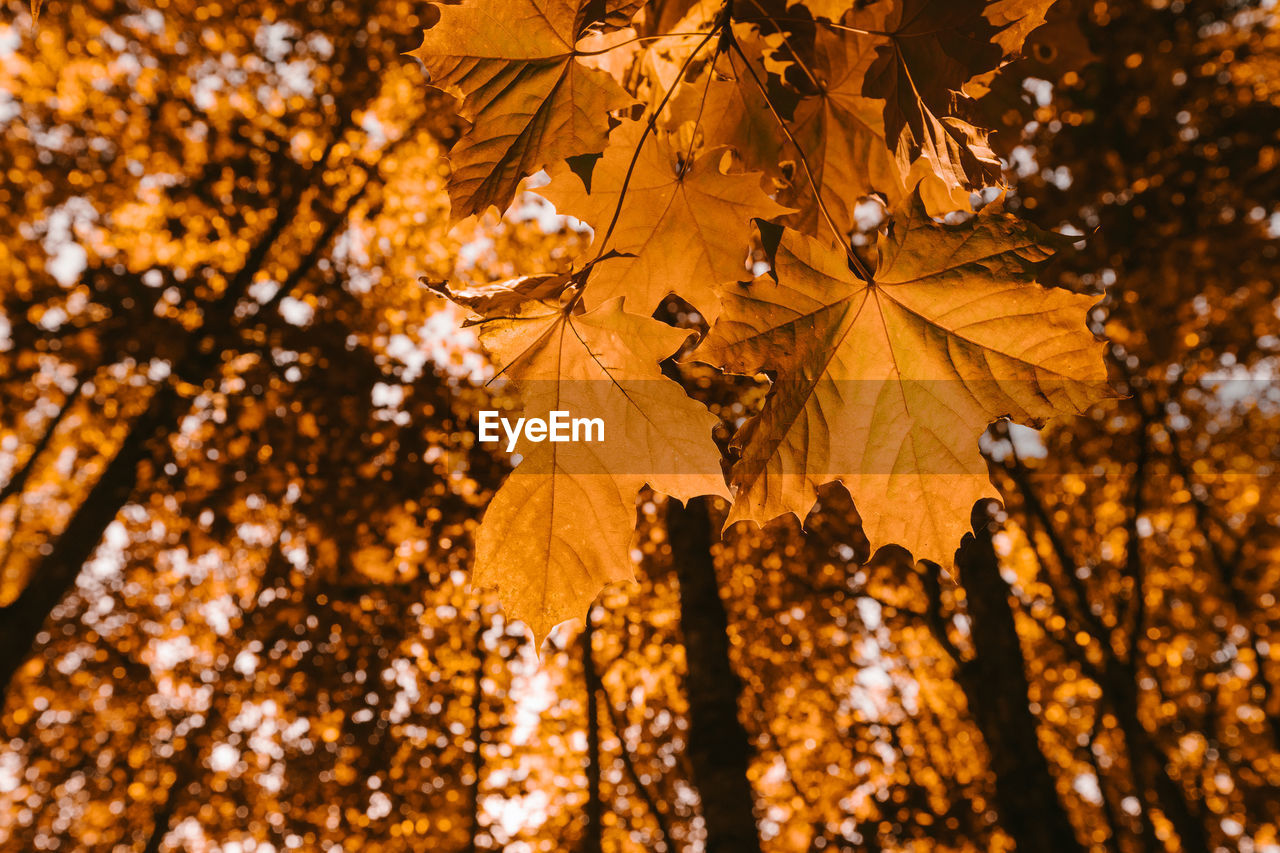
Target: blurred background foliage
239	484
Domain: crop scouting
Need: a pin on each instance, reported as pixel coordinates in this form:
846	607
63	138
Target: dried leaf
1015	19
729	108
619	13
842	134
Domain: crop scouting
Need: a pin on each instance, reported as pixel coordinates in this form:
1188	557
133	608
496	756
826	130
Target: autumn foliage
886	369
935	343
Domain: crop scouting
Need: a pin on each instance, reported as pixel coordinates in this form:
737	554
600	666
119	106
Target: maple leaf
667	55
560	527
685	227
933	47
729	108
550	541
1058	44
841	132
830	10
618	13
886	385
1014	20
530	100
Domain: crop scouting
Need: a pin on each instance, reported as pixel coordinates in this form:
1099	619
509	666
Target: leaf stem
697	122
817	22
605	50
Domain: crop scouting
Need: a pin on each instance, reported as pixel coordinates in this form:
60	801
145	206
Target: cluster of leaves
704	144
269	651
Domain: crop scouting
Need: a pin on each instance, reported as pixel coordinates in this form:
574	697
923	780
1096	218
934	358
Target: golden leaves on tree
882	383
288	562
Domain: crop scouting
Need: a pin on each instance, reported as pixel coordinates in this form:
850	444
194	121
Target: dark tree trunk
1155	787
55	574
477	730
719	749
593	840
1118	678
995	684
18	481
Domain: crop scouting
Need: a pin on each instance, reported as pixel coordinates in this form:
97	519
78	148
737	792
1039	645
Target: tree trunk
995	684
1155	787
18	481
477	730
1117	678
719	750
593	840
55	574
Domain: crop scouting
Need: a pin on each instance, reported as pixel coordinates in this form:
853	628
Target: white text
560	428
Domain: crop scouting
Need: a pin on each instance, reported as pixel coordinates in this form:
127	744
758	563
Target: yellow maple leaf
728	107
887	385
551	541
530	100
685	227
841	133
560	528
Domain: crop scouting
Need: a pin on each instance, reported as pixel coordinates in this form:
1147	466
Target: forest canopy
934	347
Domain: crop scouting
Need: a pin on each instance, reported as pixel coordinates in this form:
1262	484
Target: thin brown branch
931	577
1036	515
18	481
629	764
593	840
